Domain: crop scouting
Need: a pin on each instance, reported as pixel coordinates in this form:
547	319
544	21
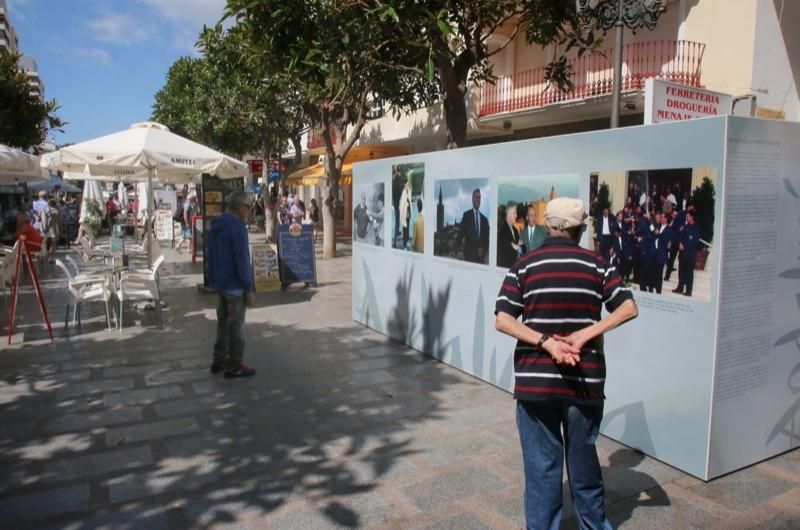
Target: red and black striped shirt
558	289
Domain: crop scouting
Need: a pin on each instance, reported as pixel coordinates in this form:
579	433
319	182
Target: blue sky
534	187
103	60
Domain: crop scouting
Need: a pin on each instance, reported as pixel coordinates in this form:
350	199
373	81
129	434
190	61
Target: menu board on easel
215	192
265	267
164	225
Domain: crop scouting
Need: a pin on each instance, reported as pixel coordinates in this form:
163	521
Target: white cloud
97	55
118	28
194	12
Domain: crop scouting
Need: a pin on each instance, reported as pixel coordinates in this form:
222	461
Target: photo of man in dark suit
473	233
533	235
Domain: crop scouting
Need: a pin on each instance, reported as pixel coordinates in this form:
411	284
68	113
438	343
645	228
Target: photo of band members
656	227
520	212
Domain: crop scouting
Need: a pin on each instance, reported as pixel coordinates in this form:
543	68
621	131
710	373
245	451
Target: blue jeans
543	448
229	346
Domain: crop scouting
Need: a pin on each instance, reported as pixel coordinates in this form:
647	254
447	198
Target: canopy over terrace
19	166
145	152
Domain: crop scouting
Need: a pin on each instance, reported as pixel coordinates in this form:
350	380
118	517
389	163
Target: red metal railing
592	75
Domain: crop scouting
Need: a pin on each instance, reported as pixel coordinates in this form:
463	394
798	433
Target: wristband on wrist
542	340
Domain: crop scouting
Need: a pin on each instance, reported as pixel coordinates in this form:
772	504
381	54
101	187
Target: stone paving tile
94	387
90	420
142	396
52	446
436	492
127	517
654	510
469	446
789	461
123	371
23	509
173	475
349	511
462	521
630	473
176	376
150	431
742	490
97	464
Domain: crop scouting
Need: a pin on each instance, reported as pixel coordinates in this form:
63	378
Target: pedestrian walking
230	274
559	365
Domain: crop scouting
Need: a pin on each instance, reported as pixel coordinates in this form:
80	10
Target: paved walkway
341	428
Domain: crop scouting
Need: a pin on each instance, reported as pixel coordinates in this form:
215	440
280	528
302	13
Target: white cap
565	212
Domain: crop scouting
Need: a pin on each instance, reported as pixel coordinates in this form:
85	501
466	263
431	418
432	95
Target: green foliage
703	198
25	120
458	38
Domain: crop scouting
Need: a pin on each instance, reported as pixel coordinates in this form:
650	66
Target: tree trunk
455	107
270	212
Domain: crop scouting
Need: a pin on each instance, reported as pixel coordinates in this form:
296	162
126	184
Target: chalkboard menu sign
296	254
215	192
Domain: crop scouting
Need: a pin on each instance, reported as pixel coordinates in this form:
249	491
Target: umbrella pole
149	202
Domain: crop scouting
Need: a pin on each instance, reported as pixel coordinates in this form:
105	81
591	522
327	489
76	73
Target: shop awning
309	176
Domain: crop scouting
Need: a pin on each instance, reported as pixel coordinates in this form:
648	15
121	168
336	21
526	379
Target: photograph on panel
657	227
462	220
408	223
368	213
521	202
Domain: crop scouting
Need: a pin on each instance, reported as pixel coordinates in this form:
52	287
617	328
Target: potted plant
703	200
93	220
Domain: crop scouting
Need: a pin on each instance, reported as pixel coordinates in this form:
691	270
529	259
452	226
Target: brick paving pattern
341	428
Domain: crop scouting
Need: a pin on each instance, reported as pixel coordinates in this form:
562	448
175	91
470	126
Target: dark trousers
606	242
686	275
658	276
405	235
673	253
540	425
229	346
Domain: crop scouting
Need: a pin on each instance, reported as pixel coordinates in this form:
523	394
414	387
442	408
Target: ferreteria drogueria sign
665	101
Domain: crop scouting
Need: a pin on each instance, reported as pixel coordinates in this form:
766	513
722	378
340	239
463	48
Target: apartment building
28	65
9	41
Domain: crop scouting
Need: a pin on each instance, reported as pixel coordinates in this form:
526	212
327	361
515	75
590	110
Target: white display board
662	367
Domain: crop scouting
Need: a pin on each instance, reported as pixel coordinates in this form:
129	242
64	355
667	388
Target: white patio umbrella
122	195
92	191
146	151
19	166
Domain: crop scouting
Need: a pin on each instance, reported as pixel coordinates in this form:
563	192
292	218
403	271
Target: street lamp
603	14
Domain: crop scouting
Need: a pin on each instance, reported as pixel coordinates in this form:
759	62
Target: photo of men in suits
670	230
528	195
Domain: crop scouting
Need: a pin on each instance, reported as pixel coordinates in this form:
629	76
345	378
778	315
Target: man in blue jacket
688	256
230	274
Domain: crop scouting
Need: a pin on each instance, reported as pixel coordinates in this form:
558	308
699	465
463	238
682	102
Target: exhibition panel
477	208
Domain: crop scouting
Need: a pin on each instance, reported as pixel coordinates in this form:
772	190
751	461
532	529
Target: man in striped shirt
559	365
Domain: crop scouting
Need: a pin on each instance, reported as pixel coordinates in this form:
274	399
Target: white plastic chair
141	284
86	288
